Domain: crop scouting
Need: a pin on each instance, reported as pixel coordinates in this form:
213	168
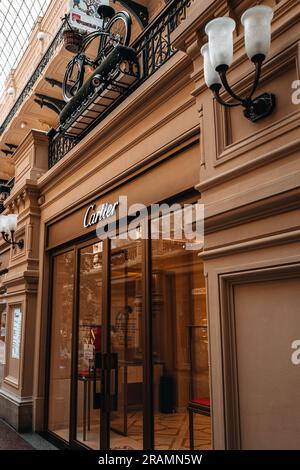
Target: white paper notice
88	352
16	336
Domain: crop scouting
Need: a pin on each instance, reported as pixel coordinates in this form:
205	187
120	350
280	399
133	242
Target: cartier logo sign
93	216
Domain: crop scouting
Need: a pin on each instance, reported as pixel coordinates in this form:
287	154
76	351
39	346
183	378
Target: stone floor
11	440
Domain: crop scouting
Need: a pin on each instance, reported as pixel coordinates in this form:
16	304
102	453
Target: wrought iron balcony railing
5	189
153	49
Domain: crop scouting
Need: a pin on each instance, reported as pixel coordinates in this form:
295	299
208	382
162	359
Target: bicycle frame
88	39
107	42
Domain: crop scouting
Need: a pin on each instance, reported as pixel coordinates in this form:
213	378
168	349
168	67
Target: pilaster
21	283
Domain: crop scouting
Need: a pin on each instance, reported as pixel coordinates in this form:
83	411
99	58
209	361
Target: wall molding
227	282
258	210
258	162
227	149
268	241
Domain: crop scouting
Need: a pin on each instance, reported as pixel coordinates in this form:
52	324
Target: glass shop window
3	314
180	339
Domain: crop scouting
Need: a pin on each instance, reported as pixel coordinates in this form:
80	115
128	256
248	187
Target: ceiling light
41	36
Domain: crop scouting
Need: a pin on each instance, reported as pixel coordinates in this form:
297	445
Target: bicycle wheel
119	32
91	48
73	78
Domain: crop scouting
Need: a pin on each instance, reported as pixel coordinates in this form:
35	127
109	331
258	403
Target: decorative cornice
199	15
264	242
33	137
31	278
258	210
19	195
265	159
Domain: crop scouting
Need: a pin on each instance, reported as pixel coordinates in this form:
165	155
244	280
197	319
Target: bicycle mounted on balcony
114	70
117	31
146	55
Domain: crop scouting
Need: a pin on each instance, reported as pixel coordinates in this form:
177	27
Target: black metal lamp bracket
12	242
254	109
139	11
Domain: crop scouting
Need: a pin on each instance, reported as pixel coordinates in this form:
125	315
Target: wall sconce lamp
8	226
218	56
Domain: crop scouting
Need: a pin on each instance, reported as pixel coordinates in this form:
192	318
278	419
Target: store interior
179	350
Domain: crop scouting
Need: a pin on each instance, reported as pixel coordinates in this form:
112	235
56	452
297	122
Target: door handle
116	385
109	362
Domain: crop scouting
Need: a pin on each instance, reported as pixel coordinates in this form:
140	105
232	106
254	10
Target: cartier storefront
158	342
127	342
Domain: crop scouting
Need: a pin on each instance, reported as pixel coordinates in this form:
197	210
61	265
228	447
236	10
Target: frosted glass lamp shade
210	75
220	37
257	25
3	224
12	222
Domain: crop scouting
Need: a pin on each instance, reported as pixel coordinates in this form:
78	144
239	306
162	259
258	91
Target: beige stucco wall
249	183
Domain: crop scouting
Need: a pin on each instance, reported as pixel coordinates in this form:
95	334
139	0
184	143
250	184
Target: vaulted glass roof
17	19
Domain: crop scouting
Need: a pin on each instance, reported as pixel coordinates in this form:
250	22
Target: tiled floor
171	433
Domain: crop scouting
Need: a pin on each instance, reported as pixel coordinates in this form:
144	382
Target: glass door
129	345
126	420
83	379
61	344
109	369
89	345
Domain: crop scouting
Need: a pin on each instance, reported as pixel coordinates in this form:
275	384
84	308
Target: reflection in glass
126	341
61	338
89	345
3	316
180	343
